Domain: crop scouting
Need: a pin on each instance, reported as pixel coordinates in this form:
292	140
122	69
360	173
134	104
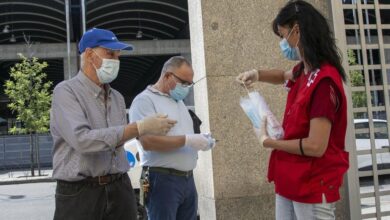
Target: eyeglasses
183	82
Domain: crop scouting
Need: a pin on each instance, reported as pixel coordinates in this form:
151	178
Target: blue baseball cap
96	37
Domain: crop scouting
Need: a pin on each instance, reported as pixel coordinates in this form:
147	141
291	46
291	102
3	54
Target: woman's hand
248	78
314	145
261	133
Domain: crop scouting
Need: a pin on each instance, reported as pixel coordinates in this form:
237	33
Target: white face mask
108	71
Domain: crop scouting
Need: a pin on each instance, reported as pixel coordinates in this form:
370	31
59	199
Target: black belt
169	171
99	180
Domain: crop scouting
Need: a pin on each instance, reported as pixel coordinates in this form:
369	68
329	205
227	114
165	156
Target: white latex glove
248	78
261	133
202	142
158	124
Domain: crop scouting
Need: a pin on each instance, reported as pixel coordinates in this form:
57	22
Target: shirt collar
156	91
95	89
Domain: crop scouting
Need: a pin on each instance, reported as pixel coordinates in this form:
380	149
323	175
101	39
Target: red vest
301	178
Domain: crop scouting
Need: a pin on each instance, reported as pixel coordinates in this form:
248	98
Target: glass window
371	36
385	16
380	130
375	76
386	35
366	2
353	36
359	131
373	56
351	16
369	16
377	98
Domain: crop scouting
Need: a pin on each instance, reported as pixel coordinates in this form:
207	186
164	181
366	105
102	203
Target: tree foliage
359	99
30	96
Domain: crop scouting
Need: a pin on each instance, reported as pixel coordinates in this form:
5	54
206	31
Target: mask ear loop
99	58
204	77
165	84
246	88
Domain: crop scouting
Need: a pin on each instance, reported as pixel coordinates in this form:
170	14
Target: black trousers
85	201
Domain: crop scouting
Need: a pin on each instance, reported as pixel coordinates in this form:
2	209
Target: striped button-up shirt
87	127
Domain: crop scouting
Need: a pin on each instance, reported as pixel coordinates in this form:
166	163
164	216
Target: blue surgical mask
288	51
251	111
180	92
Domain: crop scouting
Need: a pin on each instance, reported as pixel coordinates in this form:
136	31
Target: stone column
228	37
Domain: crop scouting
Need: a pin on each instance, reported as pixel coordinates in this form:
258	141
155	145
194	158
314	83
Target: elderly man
168	161
89	127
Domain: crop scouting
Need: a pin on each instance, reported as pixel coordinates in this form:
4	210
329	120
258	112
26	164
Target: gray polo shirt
86	131
152	101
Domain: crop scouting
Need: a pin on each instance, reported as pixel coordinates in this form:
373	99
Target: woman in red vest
308	165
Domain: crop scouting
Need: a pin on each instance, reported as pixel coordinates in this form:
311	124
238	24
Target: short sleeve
325	100
141	107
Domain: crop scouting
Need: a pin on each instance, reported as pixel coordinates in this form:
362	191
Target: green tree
30	99
359	99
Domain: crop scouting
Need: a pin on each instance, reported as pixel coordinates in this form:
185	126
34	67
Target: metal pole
83	15
37	153
68	37
371	56
83	24
32	154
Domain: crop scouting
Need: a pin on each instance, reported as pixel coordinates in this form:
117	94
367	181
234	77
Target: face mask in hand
108	70
252	111
211	140
250	106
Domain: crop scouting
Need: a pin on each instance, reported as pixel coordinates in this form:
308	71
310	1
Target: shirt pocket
293	174
67	191
117	116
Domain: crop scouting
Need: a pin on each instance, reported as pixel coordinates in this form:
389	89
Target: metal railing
365	32
15	151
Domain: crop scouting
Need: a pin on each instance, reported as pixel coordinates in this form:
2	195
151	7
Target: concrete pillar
228	37
74	67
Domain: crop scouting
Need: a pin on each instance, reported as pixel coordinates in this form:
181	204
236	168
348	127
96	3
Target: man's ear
88	54
166	75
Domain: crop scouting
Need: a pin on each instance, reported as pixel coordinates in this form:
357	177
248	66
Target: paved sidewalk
30	201
24	176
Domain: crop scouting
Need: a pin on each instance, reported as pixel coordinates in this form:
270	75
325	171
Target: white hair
173	63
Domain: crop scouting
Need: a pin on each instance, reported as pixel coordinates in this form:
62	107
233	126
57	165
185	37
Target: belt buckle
100	182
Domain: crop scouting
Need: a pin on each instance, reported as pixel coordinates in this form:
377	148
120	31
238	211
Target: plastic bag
256	108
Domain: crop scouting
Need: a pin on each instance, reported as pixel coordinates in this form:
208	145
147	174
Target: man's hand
158	124
248	78
202	142
261	133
